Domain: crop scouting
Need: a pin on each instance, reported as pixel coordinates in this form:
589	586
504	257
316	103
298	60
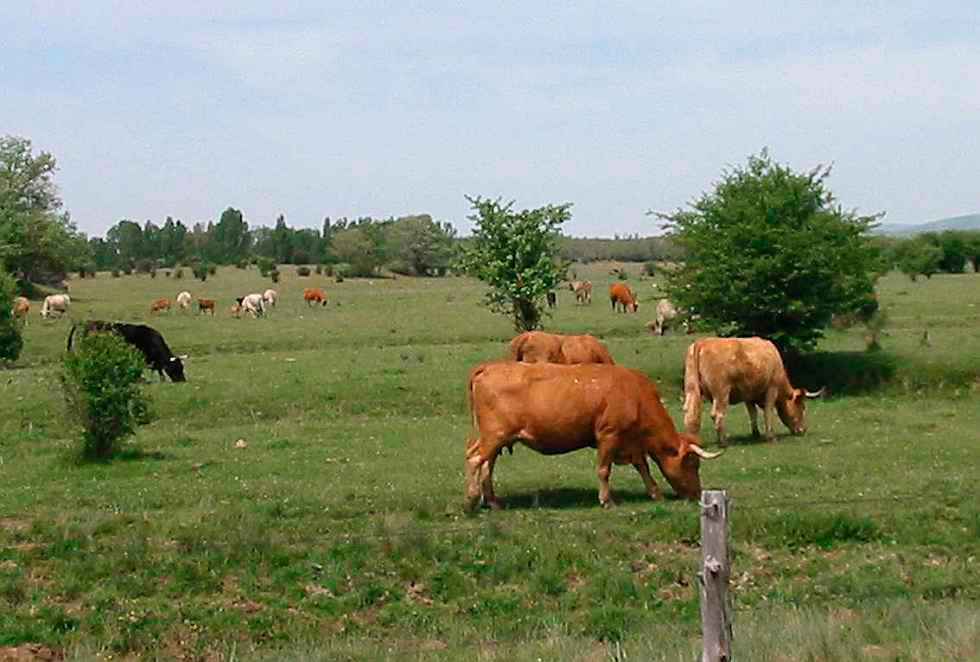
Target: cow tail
474	437
692	389
71	335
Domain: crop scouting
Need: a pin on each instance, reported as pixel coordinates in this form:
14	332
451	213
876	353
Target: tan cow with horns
557	409
733	370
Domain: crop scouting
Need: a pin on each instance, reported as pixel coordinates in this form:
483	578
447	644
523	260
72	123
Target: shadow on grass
842	373
575	497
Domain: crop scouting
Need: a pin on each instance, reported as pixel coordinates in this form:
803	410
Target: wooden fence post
716	626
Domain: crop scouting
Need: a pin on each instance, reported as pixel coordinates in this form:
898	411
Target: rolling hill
965	222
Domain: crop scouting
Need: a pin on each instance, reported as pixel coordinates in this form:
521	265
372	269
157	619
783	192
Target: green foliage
650	268
318	269
771	253
303	271
230	239
918	257
11	341
265	266
274	275
421	246
178	273
101	384
362	247
620	249
516	255
201	271
36	238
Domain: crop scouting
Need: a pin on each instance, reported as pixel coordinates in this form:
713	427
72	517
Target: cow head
792	410
681	467
174	369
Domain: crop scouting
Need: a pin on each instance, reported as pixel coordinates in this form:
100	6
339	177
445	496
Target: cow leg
486	482
754	417
648	481
606	457
718	408
474	460
767	414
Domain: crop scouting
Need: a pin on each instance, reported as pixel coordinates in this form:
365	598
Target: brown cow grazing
557	409
541	347
313	295
582	290
666	314
206	306
620	293
21	308
159	306
733	370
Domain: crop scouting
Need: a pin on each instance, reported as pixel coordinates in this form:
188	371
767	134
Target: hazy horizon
313	110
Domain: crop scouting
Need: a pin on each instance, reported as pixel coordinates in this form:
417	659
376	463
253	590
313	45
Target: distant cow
313	295
235	310
733	370
582	290
621	295
159	306
541	347
271	298
666	314
206	306
144	338
556	409
21	309
55	303
184	300
254	305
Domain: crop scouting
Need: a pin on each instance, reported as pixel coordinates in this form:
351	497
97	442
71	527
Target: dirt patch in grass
29	653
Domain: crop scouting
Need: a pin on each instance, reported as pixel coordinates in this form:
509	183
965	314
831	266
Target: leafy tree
127	236
359	247
10	333
954	250
230	237
101	383
971	241
771	253
918	257
425	246
516	254
36	237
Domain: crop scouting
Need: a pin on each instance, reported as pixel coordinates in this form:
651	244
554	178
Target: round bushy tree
770	252
101	382
11	341
516	254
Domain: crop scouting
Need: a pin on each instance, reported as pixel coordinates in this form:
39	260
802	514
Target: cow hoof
609	504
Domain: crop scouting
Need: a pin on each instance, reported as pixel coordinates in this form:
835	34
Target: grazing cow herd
556	393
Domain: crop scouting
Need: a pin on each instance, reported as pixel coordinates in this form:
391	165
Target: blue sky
381	109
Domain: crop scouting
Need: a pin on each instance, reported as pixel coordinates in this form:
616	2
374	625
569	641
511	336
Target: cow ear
798	394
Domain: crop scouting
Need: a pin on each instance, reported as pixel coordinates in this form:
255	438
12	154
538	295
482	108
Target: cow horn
816	394
700	452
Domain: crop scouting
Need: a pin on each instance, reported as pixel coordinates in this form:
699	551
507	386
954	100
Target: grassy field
337	532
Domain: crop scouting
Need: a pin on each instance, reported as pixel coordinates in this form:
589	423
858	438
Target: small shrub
274	275
11	341
101	384
179	273
303	271
265	265
242	264
622	274
212	269
328	270
650	268
128	271
201	271
166	274
115	273
319	269
153	273
144	265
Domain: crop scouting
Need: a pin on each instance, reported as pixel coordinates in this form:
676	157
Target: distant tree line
622	249
931	253
414	245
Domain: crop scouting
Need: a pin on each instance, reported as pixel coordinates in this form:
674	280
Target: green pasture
337	531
